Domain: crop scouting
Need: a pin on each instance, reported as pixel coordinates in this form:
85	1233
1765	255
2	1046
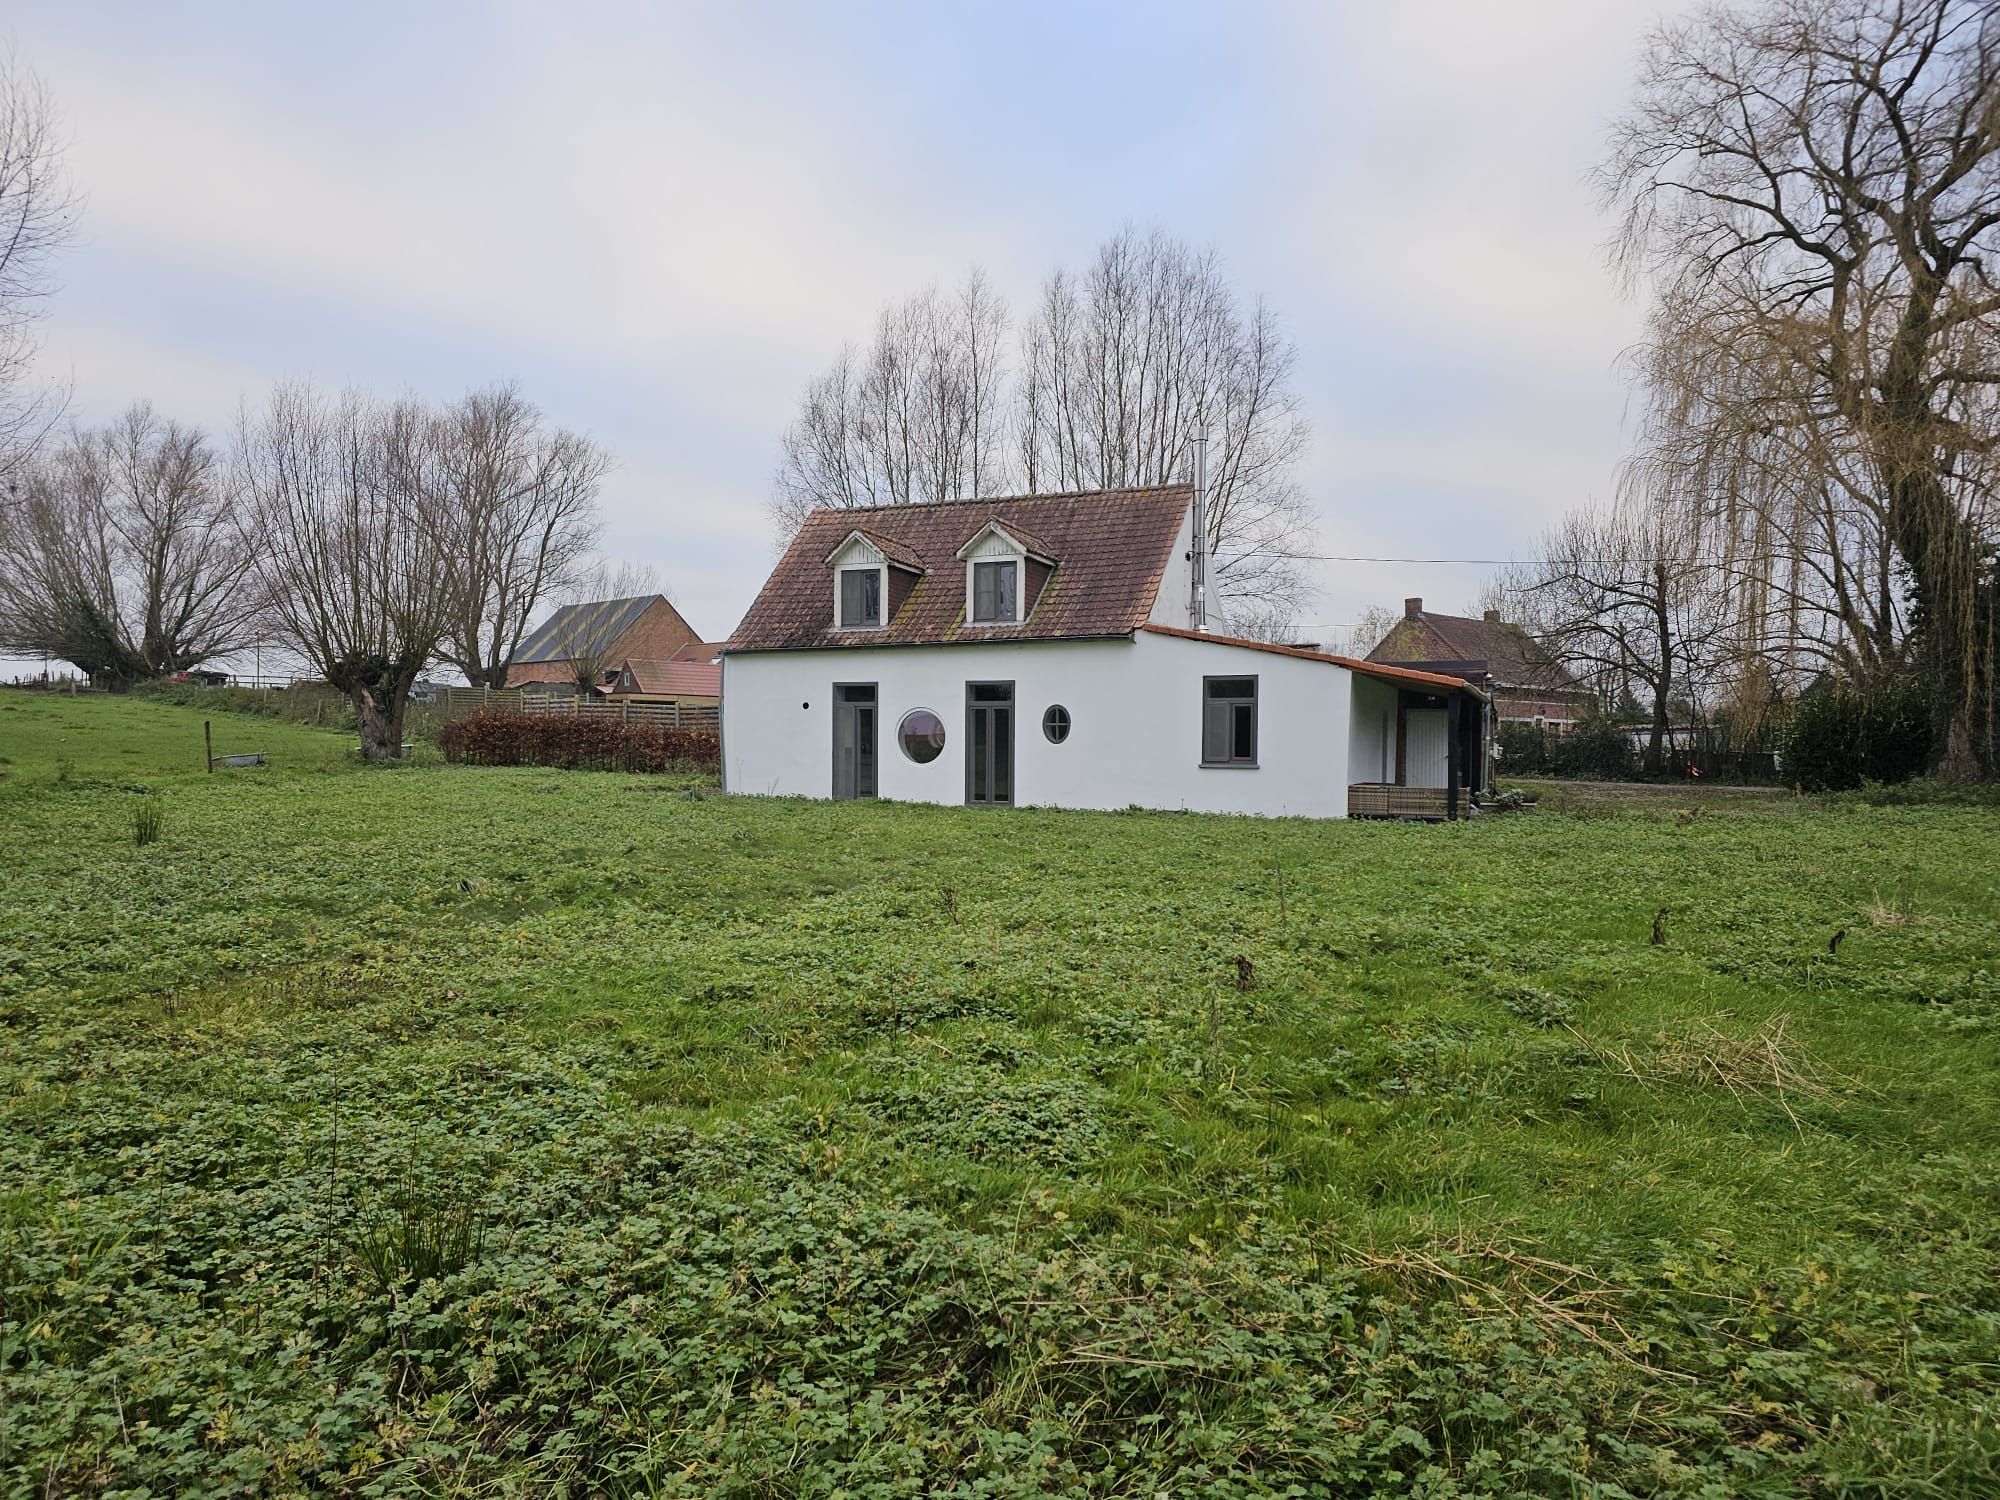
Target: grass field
457	1131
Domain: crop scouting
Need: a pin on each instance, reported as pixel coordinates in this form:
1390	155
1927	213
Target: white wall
1371	740
1135	712
1170	605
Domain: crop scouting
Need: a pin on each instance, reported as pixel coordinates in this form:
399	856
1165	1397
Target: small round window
1055	723
921	735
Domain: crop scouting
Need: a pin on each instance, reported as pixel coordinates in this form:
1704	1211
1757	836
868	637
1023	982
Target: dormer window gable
1004	574
867	572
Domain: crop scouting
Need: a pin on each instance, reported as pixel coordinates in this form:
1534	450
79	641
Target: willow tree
116	552
1813	188
357	543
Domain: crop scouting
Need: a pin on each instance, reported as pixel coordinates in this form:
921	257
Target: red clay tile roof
888	546
699	651
1110	549
1436	681
692	679
1021	534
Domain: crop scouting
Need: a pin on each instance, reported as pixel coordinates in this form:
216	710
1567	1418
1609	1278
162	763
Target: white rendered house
1048	650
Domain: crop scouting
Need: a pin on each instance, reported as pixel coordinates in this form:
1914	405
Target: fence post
624	710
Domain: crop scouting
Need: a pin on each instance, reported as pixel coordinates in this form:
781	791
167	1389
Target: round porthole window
1055	723
921	734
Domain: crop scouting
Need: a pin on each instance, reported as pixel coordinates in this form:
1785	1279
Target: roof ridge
975	500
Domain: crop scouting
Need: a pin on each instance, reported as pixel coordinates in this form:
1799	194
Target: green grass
47	735
459	1131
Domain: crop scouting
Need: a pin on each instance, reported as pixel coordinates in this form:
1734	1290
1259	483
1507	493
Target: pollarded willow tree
1118	367
357	541
117	553
1813	187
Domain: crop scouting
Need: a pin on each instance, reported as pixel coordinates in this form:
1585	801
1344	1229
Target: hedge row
578	743
1845	735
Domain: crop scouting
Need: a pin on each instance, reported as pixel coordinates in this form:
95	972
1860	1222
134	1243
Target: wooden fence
671	715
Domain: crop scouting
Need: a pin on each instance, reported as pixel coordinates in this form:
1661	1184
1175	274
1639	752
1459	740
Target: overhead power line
1483	562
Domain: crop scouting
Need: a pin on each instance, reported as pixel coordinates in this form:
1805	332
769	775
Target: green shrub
1596	747
1844	735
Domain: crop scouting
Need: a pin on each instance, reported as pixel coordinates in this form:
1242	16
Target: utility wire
1483	562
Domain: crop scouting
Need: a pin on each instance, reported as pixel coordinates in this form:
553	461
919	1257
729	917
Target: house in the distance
693	684
1522	682
600	636
1052	650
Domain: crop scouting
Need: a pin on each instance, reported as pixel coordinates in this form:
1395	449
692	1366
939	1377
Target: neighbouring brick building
1523	683
604	633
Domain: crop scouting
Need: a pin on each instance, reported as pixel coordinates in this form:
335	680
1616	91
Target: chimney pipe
1492	617
1198	553
1412	608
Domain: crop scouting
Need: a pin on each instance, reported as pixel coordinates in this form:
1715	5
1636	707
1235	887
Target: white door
1426	748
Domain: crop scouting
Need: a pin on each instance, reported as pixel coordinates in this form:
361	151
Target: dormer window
872	576
860	598
1005	572
996	592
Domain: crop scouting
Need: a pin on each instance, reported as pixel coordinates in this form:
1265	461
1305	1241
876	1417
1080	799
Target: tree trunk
1955	619
1663	682
381	725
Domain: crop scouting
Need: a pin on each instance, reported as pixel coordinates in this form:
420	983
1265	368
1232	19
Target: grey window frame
841	622
873	702
1233	761
1012	702
1013	616
1068	723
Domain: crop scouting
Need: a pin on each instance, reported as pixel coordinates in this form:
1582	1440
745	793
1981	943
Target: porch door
854	740
989	744
1428	744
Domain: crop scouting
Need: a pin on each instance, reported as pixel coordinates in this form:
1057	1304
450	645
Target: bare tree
1815	185
914	417
524	495
1365	634
1120	367
116	553
1626	600
38	213
1144	351
358	555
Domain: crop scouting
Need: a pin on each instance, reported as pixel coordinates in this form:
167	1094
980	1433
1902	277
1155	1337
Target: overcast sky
663	220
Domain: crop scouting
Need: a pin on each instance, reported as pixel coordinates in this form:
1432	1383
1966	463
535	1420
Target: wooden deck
1378	799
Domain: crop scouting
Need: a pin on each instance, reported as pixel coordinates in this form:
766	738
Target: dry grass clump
1769	1064
1897	911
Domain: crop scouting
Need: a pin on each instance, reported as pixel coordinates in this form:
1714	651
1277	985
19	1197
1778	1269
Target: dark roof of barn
1110	549
584	629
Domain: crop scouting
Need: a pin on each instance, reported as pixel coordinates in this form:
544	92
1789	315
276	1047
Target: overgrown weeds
149	819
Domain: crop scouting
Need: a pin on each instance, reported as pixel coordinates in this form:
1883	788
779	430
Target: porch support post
1454	753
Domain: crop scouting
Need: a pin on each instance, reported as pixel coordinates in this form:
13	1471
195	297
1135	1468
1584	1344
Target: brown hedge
578	743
